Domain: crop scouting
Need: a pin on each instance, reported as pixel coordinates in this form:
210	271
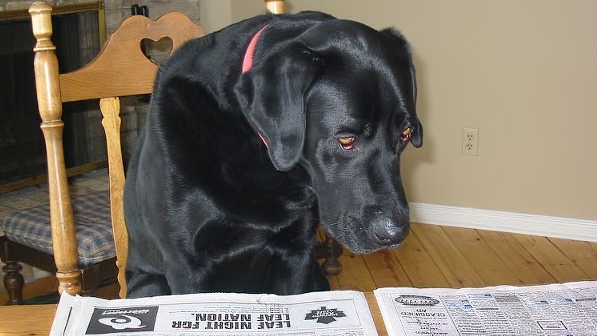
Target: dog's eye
406	134
347	143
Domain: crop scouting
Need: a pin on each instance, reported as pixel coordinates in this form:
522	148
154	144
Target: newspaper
568	309
323	313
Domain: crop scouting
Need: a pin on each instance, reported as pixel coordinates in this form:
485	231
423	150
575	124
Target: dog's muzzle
371	230
387	232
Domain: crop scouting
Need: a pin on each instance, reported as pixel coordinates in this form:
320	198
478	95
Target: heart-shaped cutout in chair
157	51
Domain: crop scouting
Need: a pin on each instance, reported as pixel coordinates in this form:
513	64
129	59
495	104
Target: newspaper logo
122	322
117	320
324	315
416	300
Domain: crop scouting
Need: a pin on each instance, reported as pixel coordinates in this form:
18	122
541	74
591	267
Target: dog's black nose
389	232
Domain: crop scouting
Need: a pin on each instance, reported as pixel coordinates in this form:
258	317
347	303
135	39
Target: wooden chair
121	69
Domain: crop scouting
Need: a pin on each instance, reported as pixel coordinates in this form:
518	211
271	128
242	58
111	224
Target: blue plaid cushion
31	227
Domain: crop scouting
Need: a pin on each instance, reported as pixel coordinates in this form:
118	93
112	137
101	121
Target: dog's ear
271	96
403	48
417	137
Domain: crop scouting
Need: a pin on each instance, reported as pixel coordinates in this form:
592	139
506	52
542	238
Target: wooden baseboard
539	225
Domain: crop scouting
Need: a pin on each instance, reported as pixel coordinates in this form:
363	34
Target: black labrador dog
256	134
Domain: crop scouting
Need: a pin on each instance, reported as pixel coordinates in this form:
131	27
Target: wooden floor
441	256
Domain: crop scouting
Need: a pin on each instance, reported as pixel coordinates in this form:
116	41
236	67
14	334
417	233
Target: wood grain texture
355	274
26	320
582	254
556	263
454	266
386	270
486	263
516	257
420	267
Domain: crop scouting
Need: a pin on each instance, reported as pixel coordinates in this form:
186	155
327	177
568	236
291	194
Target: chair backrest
121	69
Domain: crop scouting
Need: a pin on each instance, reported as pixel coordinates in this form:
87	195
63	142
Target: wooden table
26	320
37	319
381	328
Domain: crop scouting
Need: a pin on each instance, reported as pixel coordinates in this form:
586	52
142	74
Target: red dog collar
248	59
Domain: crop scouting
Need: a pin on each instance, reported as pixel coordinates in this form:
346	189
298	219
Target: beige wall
523	72
216	14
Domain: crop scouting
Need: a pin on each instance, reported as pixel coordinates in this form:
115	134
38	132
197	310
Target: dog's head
340	98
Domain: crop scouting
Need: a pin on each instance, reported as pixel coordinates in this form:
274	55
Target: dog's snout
389	232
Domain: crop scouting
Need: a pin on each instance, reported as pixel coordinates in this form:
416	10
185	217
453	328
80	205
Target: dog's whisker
332	224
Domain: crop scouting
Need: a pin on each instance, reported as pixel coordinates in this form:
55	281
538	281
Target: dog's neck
248	59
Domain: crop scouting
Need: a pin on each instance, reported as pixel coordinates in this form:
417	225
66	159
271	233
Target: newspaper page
319	313
568	309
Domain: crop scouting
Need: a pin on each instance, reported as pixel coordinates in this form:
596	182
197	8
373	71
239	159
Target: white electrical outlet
470	141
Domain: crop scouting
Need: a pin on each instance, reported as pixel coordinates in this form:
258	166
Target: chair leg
331	265
13	282
329	250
